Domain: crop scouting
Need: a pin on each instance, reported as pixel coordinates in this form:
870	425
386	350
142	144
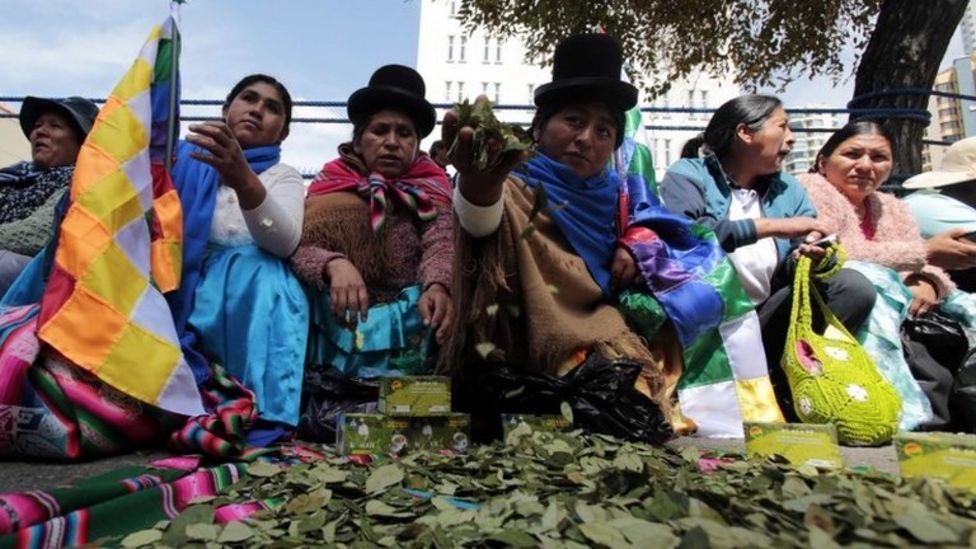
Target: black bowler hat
79	110
398	88
586	67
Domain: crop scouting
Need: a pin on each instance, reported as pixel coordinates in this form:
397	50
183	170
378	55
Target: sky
320	49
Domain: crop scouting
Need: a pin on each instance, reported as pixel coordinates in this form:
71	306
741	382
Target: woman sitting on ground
376	252
761	215
30	191
878	228
239	304
549	253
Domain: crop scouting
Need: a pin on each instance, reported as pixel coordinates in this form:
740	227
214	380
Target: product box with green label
551	423
372	434
799	443
939	455
437	433
415	396
378	434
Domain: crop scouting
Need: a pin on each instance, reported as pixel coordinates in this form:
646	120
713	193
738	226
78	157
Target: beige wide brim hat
958	166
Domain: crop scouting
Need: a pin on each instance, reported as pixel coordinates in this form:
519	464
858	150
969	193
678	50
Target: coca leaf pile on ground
551	490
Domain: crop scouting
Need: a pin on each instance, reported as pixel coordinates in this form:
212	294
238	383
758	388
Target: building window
463	46
453	8
531	93
498	50
704	99
498	92
447	91
450	49
460	87
487	56
667	152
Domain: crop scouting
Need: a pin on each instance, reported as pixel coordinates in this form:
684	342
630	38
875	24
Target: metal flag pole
171	123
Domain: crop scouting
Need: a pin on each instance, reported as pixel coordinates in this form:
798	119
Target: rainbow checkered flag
120	243
725	379
633	153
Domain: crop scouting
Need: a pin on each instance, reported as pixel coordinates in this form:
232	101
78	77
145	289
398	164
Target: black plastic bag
600	392
942	356
325	395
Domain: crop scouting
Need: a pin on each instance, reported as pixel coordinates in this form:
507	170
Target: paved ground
16	476
882	458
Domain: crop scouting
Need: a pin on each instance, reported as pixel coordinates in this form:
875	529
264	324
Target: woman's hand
437	311
791	227
479	188
347	292
925	295
623	270
951	250
811	228
227	157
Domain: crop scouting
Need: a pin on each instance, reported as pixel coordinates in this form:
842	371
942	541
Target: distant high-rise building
456	65
968	28
808	139
952	119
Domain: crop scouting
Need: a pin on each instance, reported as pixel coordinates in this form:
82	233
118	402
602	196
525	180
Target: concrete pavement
17	476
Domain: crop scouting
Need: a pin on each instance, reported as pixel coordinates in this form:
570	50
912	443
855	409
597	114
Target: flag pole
171	127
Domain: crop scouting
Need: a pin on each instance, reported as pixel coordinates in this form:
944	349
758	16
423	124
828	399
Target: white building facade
458	65
808	143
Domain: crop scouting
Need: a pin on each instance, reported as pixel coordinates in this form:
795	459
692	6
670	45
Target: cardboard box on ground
415	414
376	434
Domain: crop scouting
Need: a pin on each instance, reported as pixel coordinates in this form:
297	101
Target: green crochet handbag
832	378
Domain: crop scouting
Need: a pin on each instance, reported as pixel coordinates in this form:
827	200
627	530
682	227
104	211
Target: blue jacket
699	189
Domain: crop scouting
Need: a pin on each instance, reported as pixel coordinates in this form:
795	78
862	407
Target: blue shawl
197	184
585	210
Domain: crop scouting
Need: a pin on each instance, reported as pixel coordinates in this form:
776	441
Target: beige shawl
524	297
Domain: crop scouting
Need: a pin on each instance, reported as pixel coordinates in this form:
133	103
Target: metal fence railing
661	122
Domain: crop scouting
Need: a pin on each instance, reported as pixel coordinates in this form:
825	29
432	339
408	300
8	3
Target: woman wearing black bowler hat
541	299
377	250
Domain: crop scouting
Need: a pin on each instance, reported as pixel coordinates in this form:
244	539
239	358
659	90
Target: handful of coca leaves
493	139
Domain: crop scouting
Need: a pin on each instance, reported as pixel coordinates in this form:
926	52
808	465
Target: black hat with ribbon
398	88
587	67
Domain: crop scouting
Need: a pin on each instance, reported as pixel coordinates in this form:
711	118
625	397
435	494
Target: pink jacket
897	242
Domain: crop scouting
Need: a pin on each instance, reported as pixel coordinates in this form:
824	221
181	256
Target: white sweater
275	225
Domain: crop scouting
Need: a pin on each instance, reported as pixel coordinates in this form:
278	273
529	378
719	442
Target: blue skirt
391	342
251	315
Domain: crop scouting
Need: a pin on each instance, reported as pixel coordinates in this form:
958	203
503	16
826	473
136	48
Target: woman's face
257	116
858	166
581	136
54	141
388	144
769	145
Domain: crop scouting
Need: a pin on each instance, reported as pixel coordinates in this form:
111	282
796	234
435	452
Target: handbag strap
829	318
801	315
836	252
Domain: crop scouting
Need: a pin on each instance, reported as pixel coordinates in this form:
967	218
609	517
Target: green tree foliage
759	42
897	44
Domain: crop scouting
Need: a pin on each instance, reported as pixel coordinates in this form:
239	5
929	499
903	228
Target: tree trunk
905	50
